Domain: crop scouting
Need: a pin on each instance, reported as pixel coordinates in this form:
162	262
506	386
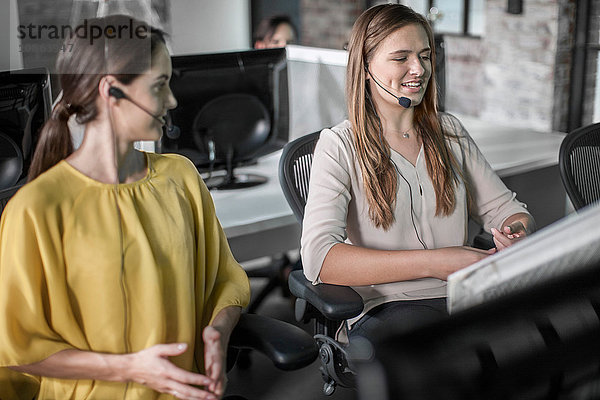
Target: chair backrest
294	171
579	162
11	162
6	194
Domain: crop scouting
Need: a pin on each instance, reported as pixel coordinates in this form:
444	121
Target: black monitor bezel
273	59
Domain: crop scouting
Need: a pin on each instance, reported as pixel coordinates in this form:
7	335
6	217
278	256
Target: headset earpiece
116	93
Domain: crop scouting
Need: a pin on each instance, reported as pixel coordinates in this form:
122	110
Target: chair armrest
286	345
484	240
333	301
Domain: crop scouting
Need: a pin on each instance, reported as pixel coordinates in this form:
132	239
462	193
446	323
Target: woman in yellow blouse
116	279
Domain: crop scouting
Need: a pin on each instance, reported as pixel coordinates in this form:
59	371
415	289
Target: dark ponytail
54	143
81	69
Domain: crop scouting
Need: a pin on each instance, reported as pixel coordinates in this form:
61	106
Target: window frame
430	3
582	47
465	19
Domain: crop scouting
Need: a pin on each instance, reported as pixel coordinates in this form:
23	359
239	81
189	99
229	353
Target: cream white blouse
337	210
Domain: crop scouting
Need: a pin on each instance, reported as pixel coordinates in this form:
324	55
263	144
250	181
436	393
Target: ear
106	82
259	44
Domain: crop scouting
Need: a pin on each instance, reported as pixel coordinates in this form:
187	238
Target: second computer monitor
232	109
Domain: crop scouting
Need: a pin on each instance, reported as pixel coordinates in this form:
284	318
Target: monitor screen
25	104
232	107
317	79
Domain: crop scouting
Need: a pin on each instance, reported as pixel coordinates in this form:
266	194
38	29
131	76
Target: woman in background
116	279
392	188
275	31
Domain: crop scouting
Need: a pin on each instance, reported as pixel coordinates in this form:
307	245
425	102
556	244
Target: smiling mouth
413	85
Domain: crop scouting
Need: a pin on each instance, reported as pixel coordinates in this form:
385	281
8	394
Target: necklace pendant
405	135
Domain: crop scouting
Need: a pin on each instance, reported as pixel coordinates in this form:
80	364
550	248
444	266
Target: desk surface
511	150
248	213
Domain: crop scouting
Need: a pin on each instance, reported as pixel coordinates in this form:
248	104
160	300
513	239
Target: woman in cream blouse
392	188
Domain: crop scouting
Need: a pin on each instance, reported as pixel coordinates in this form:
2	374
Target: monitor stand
241	181
233	181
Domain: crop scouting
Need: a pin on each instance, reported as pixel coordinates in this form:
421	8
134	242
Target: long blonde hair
380	179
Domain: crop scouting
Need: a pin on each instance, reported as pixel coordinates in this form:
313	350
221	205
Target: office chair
328	305
11	162
579	161
6	194
287	346
539	343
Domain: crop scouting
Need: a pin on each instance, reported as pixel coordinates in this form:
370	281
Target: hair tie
63	110
60	111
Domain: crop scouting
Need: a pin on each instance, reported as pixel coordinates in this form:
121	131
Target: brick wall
327	23
518	72
519	63
464	75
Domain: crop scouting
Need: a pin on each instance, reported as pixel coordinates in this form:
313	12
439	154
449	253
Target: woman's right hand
452	259
151	367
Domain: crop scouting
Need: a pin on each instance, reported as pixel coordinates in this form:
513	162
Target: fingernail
181	346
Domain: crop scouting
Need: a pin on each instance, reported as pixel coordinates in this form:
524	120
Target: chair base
335	368
276	272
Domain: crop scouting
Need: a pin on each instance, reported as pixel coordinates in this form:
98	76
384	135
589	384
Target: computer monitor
317	78
25	104
232	109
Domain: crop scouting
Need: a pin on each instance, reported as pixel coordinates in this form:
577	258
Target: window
594	56
461	17
596	117
476	26
584	107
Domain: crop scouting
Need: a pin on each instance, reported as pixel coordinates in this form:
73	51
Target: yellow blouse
111	268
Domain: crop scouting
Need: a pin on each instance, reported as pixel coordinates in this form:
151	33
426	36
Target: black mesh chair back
328	305
5	196
579	162
294	171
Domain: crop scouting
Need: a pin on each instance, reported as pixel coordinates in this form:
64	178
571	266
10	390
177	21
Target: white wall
10	57
204	26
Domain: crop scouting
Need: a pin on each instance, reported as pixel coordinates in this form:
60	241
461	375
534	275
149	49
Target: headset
172	131
404	102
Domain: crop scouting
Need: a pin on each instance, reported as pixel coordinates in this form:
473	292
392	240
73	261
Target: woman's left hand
215	353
